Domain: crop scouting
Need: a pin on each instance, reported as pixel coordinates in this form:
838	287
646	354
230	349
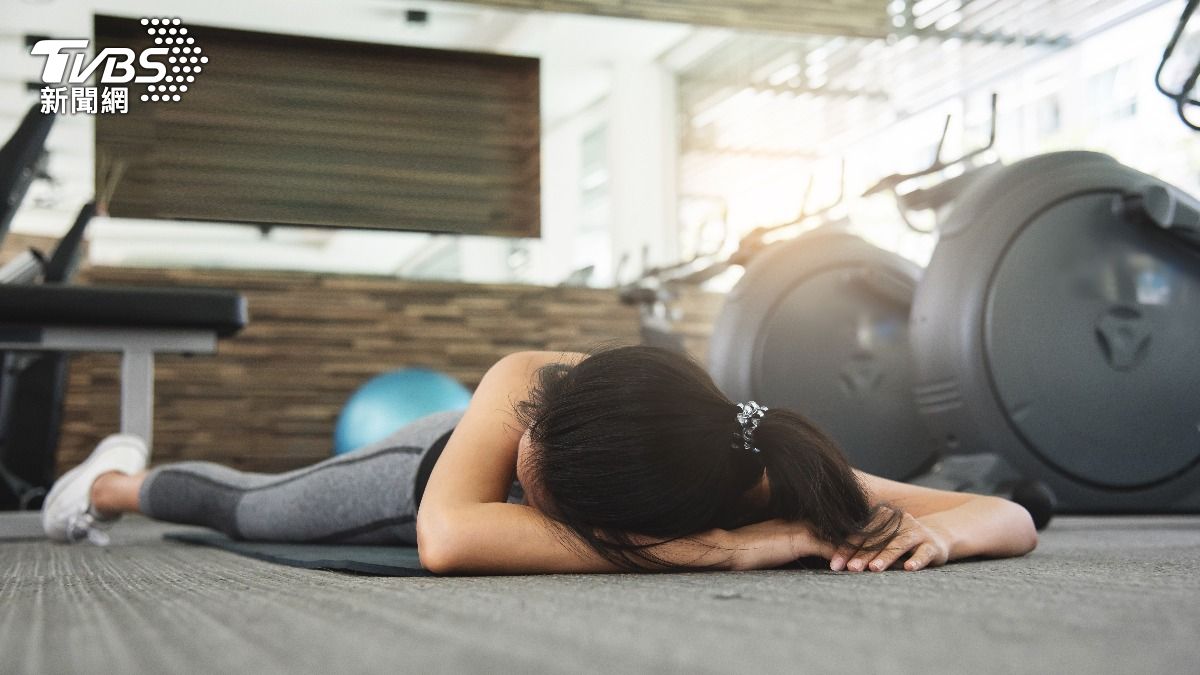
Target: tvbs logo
167	70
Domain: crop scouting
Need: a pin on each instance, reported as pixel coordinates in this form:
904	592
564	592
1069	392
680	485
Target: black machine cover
819	325
1059	328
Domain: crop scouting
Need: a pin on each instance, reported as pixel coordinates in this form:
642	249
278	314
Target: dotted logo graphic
185	59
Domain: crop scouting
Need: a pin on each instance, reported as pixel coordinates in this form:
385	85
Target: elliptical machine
820	323
32	384
1056	327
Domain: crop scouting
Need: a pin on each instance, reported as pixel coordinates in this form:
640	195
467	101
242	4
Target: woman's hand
926	546
772	543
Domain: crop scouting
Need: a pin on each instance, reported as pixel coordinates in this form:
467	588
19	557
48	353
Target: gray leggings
362	497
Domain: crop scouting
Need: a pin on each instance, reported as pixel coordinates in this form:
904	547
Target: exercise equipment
391	400
656	291
939	196
134	322
42	320
1057	326
654	305
41	324
990	474
819	324
1183	97
20	159
33	387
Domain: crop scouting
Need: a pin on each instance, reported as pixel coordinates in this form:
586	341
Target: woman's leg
363	497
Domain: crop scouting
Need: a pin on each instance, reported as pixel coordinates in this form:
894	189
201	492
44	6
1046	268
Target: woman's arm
939	526
464	525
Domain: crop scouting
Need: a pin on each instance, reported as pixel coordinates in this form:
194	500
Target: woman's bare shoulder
527	362
541	358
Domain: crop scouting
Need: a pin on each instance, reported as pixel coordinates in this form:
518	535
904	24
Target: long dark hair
635	443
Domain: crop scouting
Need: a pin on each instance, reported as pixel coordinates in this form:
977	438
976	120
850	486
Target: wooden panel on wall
696	311
269	399
17	243
281	129
862	18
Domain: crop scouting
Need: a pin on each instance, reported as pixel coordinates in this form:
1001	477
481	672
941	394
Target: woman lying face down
632	459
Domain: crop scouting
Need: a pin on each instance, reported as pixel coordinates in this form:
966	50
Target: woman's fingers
925	547
852	557
841	556
906	538
931	552
862	555
778	542
921	557
899	546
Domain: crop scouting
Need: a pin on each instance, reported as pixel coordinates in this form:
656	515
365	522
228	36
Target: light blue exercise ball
389	401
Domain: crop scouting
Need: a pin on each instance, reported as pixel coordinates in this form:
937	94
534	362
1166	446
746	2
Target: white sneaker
67	513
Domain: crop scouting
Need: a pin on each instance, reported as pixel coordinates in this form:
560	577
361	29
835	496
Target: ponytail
811	480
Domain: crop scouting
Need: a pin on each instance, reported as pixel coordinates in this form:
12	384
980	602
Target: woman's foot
114	493
69	513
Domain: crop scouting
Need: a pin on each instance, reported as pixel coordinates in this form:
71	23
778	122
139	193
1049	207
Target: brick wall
269	399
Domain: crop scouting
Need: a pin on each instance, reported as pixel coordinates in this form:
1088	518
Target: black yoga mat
391	561
22	525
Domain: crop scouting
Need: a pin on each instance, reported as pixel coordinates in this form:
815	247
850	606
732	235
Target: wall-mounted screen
285	130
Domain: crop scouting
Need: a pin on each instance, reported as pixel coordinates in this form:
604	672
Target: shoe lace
86	526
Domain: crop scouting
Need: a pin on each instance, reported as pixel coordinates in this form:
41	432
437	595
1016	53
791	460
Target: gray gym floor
1115	595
